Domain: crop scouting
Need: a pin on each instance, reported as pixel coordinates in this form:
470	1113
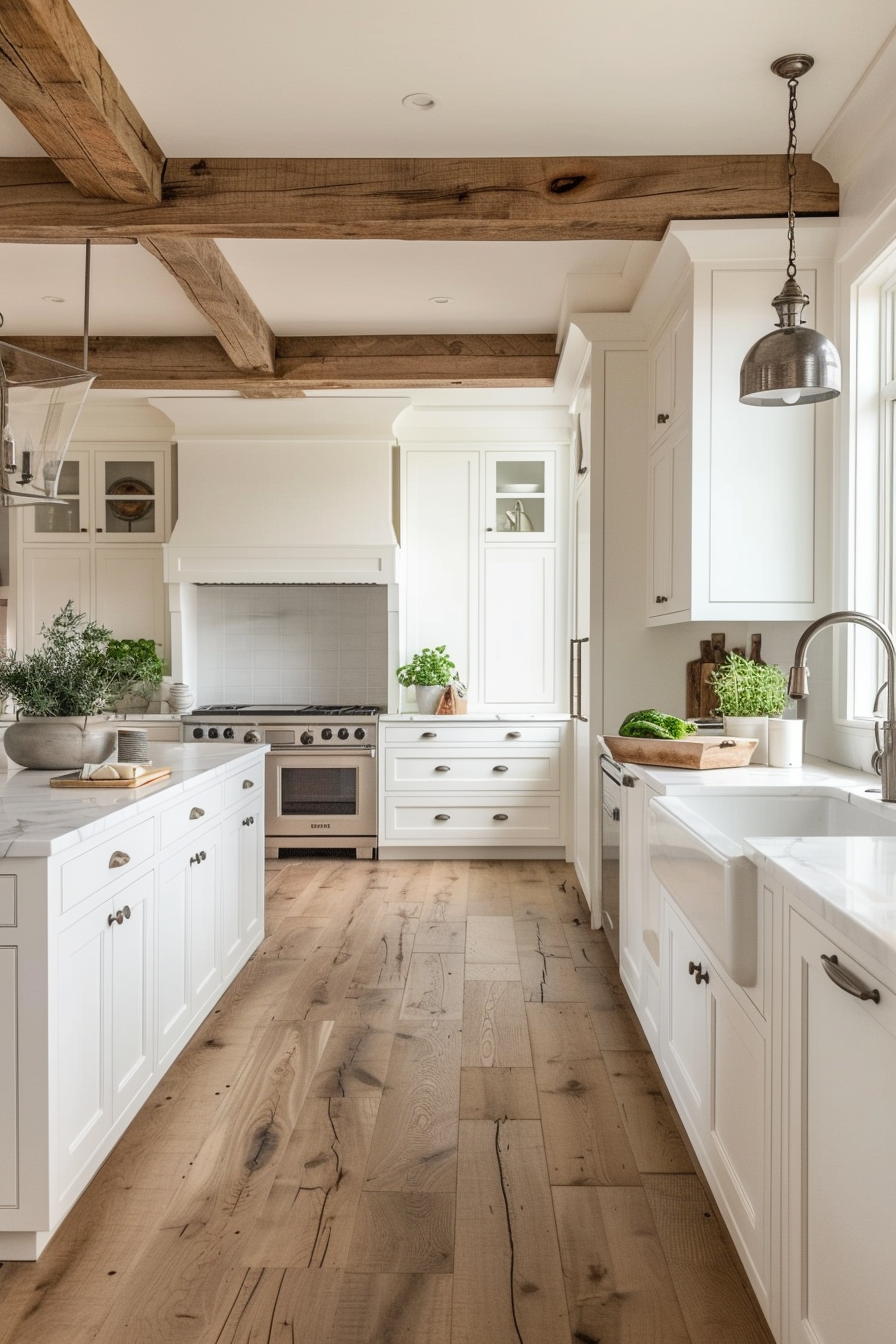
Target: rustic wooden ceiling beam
304	363
210	283
439	199
56	81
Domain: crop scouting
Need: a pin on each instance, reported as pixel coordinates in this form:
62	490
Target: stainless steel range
320	774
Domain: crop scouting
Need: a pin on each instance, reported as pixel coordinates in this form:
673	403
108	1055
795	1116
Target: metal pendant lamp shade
793	365
40	401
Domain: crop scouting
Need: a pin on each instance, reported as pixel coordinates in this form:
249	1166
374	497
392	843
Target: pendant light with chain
40	401
793	364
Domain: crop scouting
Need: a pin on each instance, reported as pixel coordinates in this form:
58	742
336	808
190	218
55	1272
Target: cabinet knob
202	854
514	734
662	419
194	858
120	915
429	734
442	769
500	816
695	968
248	821
196	813
442	816
499	769
661	599
119	859
248	783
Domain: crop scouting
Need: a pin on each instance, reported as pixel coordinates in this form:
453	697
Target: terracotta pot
59	744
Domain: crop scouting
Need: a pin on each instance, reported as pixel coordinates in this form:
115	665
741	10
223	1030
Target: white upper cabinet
739	509
110	496
519	490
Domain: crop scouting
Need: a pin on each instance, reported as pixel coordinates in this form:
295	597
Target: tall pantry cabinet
101	547
483	536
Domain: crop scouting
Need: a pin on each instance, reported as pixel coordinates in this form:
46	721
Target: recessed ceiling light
423	102
441	298
53	298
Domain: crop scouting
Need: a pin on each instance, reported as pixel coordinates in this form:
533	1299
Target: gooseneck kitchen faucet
798	685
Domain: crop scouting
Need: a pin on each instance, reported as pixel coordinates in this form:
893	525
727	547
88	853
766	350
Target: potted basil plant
429	672
60	692
749	695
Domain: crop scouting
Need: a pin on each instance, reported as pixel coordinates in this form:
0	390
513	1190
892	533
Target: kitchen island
124	914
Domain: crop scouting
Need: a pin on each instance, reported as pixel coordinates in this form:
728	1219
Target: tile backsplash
292	643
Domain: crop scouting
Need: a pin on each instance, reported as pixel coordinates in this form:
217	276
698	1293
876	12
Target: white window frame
872	513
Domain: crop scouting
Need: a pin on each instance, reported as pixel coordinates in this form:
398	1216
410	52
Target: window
873	540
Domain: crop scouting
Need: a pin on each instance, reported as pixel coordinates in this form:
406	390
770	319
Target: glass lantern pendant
793	364
40	401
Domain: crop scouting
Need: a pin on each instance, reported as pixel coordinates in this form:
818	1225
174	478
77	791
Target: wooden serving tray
74	780
689	753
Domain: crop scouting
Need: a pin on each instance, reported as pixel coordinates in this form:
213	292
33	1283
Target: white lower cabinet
110	957
716	1058
459	781
105	1015
840	1067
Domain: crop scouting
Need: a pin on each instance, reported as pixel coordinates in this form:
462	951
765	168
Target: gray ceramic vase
59	744
428	698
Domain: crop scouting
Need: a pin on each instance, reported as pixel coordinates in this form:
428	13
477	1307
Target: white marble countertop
36	820
849	881
475	716
814	776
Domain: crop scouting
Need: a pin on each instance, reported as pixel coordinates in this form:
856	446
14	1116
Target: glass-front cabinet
519	496
109	496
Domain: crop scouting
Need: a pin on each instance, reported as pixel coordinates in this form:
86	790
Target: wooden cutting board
74	780
691	753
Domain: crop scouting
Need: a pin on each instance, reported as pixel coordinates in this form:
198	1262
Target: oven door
320	793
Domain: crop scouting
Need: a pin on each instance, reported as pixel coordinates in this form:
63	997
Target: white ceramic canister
744	726
785	742
180	697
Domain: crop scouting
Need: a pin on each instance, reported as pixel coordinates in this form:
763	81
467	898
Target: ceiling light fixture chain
791	179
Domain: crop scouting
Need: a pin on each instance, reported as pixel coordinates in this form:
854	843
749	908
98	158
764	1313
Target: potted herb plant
749	695
429	672
58	693
138	669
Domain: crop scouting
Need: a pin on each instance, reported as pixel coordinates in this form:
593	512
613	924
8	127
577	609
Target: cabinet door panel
205	938
842	1183
85	1093
172	953
251	869
441	539
130	593
132	993
52	577
685	1022
9	1083
519	619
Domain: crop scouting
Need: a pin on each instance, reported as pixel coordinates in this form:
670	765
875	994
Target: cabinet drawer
244	784
192	812
458	733
449	769
533	821
106	862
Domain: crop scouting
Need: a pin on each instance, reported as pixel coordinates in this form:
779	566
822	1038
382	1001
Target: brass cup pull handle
846	981
429	734
196	813
119	859
514	734
499	769
442	769
442	816
500	816
248	783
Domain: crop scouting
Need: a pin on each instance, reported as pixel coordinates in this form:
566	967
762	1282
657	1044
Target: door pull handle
119	859
196	813
846	981
442	769
248	783
500	816
499	769
442	816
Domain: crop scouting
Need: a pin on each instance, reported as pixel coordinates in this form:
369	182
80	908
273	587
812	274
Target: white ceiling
510	77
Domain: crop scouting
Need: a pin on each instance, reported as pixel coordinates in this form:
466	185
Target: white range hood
294	491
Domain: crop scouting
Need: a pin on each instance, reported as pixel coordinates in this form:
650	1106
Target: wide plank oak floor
423	1112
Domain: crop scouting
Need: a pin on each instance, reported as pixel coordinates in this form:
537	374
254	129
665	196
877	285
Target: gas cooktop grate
317	711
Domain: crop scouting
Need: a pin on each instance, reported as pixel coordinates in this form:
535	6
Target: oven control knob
199	732
253	735
343	733
213	732
326	734
307	738
228	733
360	734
